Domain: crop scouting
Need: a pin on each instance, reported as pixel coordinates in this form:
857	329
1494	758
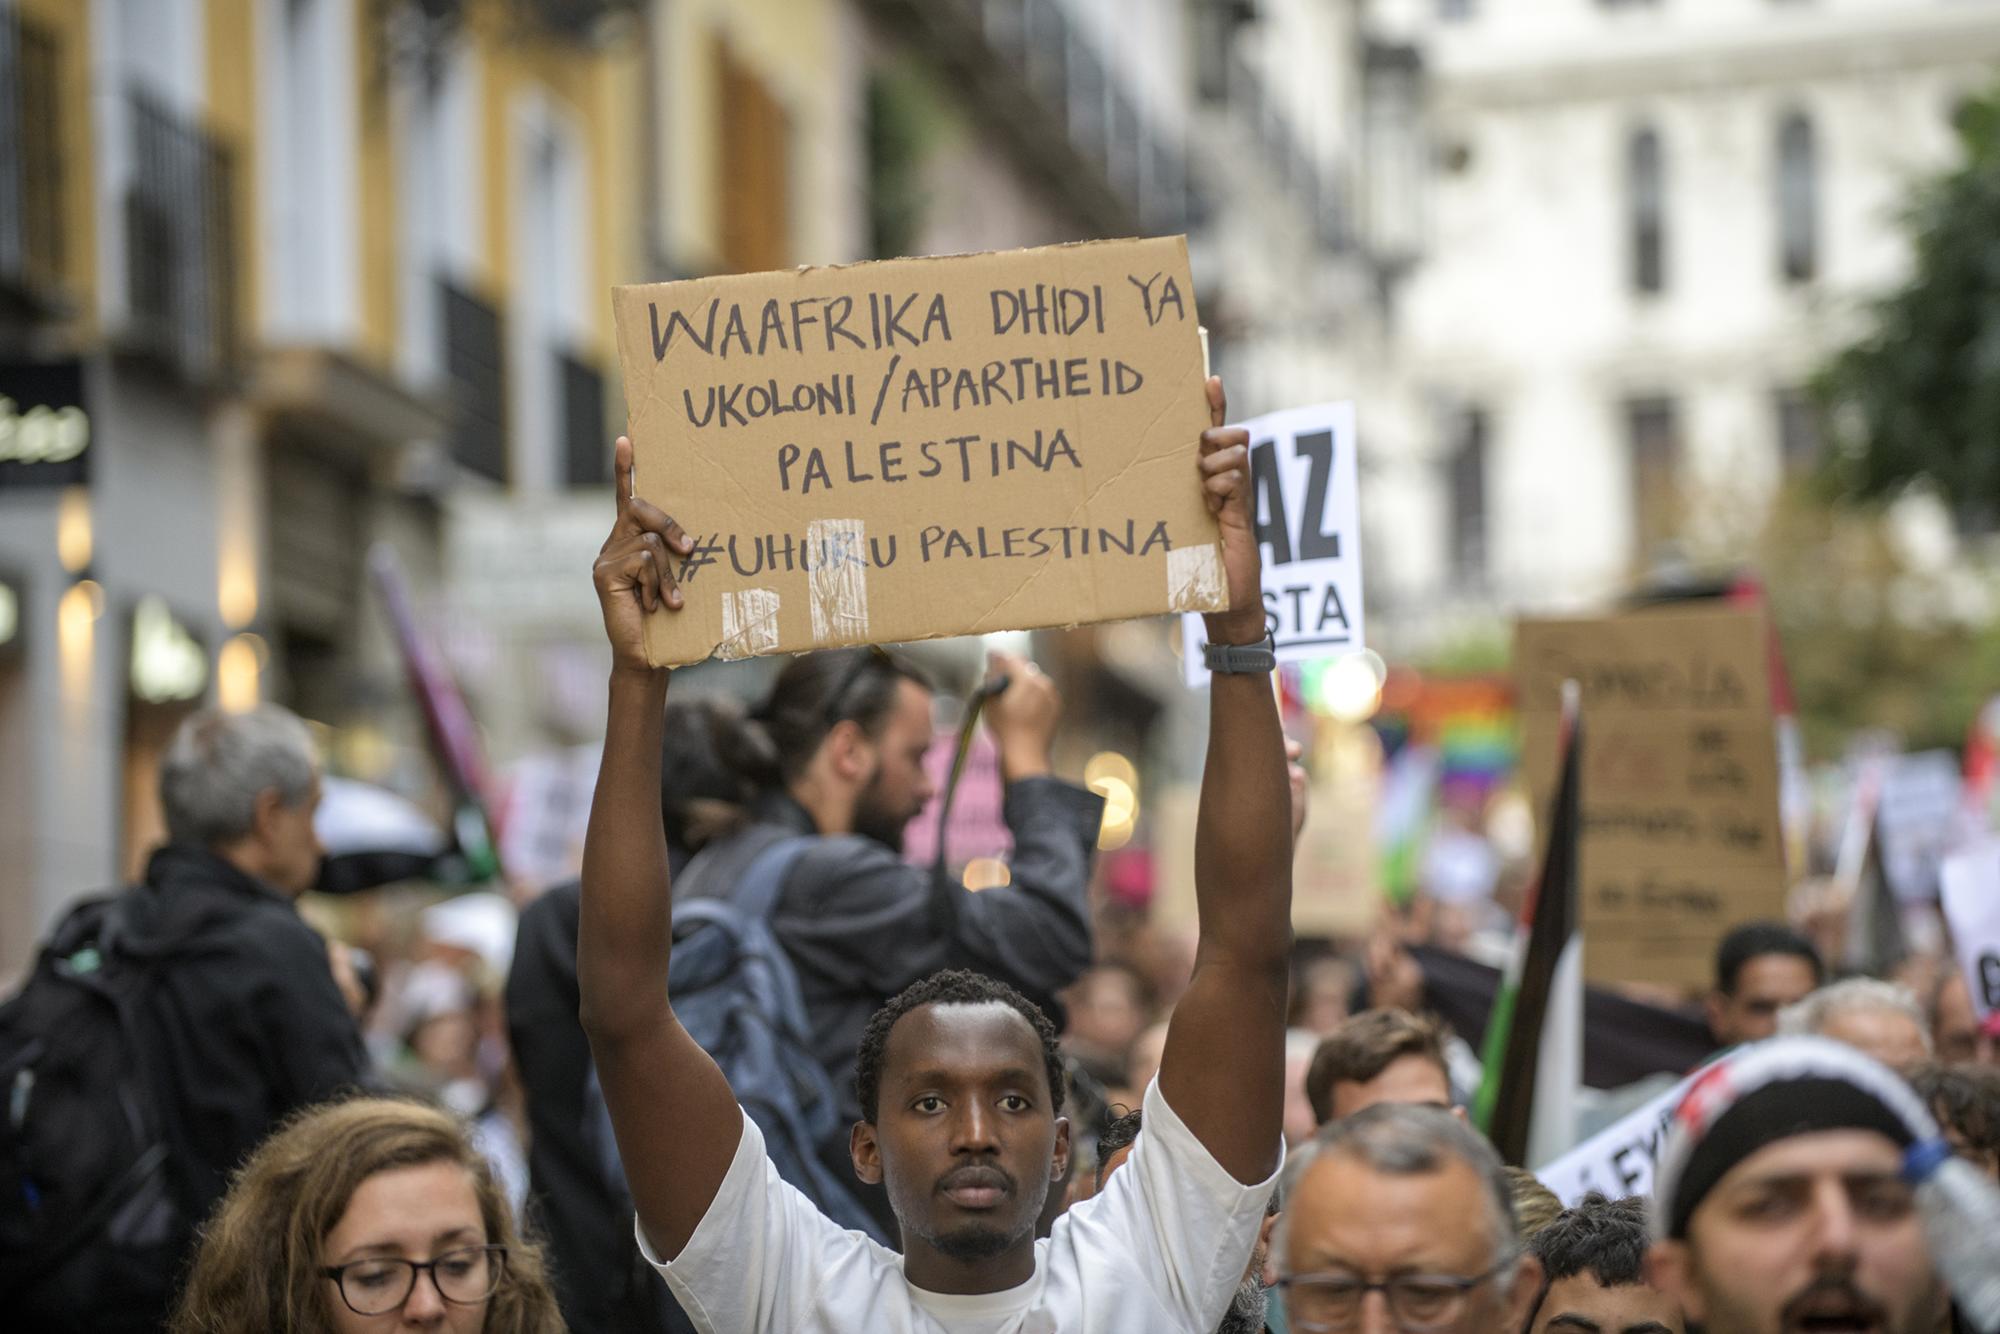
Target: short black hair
1606	1237
951	986
1754	940
1118	1135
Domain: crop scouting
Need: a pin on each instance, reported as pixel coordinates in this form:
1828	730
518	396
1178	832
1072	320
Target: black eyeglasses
1325	1302
863	658
378	1285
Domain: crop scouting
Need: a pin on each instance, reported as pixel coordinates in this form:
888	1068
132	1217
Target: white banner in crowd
1969	884
1304	478
1618	1160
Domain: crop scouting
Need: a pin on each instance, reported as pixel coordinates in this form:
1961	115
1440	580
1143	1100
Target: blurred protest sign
1970	885
1335	889
913	448
1303	475
1681	836
1916	819
1619	1159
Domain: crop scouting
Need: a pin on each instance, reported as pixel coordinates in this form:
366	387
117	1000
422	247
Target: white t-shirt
1160	1249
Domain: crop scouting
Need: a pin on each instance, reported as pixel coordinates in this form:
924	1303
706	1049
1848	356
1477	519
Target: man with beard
1780	1204
959	1077
837	752
1250	1305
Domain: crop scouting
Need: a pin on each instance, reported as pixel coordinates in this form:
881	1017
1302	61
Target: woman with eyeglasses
375	1214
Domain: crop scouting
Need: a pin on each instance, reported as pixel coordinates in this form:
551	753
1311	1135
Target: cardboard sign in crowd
1681	838
913	448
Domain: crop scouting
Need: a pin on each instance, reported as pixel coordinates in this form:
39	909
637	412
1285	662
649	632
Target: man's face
1764	985
1815	1232
1896	1040
1365	1226
1580	1304
964	1138
1410	1078
898	788
291	850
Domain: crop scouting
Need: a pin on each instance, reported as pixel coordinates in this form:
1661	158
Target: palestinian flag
1533	1054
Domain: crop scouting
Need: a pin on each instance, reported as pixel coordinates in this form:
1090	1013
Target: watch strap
1242	659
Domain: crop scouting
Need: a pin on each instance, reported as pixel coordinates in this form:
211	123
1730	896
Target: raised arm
1224	1067
676	1119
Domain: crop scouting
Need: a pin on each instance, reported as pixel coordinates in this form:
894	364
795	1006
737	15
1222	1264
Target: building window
551	396
754	168
1798	432
308	172
1798	199
1468	498
1646	194
1652	435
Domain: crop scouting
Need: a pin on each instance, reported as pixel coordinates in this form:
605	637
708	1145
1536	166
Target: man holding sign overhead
960	1087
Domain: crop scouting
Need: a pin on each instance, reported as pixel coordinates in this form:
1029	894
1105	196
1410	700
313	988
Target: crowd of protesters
991	1112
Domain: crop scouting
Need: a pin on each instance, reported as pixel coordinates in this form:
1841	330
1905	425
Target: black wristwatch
1242	659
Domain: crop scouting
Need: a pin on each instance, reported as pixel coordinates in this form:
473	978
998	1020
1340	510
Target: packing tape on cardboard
1194	578
837	580
749	624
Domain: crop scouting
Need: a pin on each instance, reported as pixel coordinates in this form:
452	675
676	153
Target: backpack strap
756	894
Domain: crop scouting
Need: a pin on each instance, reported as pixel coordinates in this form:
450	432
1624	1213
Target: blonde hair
258	1264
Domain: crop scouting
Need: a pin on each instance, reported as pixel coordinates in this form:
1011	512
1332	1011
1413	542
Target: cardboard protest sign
1681	835
1619	1159
1303	471
923	447
1969	884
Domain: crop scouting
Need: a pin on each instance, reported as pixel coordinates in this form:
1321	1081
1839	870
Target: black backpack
736	992
92	1230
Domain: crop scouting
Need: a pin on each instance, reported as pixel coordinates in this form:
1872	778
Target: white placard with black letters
1304	478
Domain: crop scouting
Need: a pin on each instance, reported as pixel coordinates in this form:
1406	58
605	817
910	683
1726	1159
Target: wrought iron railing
180	253
31	158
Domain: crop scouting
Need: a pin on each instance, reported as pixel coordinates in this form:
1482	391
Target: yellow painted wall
601	94
375	209
231	113
794	46
69	21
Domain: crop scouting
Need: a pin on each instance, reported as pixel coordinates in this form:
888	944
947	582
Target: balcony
475	382
31	165
1047	92
180	250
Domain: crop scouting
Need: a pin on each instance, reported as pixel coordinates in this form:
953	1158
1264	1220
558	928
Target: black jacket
249	1023
602	1283
860	923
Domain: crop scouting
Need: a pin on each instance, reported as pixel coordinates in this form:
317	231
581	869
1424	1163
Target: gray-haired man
1402	1221
248	1020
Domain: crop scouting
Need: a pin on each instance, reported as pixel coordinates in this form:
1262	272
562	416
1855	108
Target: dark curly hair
951	986
1605	1237
1964	1098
